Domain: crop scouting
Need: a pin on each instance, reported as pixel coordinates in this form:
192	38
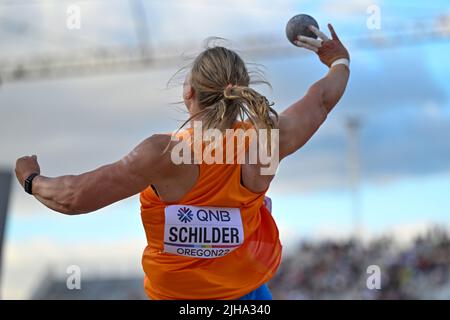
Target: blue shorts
262	293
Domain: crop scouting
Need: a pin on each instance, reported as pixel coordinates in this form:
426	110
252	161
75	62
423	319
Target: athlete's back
209	234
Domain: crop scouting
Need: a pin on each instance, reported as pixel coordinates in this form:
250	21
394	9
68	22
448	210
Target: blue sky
400	94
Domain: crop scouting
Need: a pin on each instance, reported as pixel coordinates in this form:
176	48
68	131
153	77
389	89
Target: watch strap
29	183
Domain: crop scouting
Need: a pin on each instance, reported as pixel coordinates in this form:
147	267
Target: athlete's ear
188	92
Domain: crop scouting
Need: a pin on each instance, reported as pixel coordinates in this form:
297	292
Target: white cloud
346	8
206	18
27	264
43	27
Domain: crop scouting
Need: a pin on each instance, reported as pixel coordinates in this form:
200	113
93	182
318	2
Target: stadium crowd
338	270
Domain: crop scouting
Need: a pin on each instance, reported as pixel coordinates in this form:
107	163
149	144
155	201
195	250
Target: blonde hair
221	83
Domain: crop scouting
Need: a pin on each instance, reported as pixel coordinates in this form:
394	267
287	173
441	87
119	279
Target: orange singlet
218	242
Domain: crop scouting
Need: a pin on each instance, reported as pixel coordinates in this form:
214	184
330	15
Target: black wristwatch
27	185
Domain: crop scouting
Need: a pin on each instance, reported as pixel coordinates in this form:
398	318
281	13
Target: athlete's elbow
78	205
326	100
317	92
68	210
73	209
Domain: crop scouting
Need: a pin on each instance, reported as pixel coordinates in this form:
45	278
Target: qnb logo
185	215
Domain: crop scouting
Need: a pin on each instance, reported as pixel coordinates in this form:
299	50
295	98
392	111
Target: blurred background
83	82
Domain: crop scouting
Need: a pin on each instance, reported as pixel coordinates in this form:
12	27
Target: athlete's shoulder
157	149
154	148
148	153
157	142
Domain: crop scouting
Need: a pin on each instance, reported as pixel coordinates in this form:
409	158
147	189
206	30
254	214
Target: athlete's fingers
319	33
306	46
311	41
333	33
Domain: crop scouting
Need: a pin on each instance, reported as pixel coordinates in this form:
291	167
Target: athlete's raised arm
300	121
90	191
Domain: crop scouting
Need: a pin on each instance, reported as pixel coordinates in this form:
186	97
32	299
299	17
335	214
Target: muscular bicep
106	185
300	121
121	179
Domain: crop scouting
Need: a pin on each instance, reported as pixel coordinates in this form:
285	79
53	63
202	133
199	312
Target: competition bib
202	232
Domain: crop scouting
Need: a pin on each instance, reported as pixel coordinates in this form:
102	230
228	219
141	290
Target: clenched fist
26	166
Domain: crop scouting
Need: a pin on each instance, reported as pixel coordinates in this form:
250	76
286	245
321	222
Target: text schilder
202	232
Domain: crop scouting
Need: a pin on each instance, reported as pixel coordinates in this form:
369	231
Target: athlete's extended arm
90	191
299	122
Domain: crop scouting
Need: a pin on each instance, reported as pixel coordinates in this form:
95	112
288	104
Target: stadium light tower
353	125
5	184
141	27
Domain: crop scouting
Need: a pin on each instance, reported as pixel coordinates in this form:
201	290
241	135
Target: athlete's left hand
26	166
328	50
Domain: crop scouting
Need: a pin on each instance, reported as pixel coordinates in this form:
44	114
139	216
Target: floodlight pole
353	125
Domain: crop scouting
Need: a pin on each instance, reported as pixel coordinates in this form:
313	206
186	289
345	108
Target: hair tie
227	90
